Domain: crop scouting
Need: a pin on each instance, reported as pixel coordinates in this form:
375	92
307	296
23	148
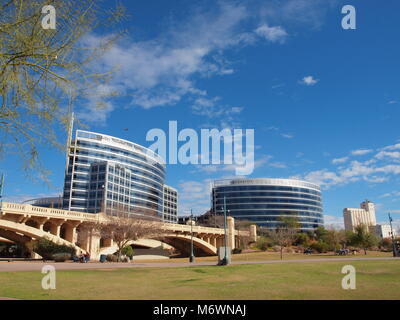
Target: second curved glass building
266	201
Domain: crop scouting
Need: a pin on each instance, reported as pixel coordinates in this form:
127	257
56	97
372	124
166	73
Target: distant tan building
356	216
384	231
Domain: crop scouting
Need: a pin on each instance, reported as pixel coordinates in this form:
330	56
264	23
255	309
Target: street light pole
391	230
224	262
191	259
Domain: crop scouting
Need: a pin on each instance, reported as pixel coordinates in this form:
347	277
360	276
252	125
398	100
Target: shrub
263	243
276	248
127	251
46	248
236	251
111	258
125	259
320	246
61	257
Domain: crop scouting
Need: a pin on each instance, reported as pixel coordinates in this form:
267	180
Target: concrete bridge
22	223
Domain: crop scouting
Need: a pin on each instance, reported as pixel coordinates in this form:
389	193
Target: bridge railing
27	209
17	208
200	229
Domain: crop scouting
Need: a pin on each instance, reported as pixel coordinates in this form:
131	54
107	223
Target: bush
47	248
111	258
61	257
125	259
127	251
276	248
263	243
236	251
320	246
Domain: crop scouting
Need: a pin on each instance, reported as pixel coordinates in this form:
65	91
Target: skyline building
353	217
170	204
265	201
110	174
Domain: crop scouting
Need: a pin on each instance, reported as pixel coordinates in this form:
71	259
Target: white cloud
333	222
163	71
361	152
387	154
265	160
273	34
287	135
19	198
393	102
340	160
392	147
211	108
194	195
309	81
379	168
390	194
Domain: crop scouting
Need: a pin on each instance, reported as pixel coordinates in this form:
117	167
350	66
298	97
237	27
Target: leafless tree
285	234
123	229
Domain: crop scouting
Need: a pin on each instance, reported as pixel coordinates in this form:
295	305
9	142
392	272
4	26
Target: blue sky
324	102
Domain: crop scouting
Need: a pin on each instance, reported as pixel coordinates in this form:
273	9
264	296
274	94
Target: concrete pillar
70	232
231	232
94	247
213	241
253	233
55	229
220	241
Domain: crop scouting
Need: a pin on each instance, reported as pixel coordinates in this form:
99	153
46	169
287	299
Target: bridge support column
55	229
70	232
94	247
231	232
213	241
253	233
40	222
24	218
220	241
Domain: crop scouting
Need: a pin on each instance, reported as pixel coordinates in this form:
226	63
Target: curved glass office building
108	174
266	201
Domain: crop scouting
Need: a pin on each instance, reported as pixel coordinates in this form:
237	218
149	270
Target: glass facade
170	212
107	174
266	201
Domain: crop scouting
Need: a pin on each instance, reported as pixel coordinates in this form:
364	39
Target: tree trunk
281	253
365	251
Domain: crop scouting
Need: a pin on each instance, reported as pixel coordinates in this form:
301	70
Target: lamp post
391	230
191	258
224	261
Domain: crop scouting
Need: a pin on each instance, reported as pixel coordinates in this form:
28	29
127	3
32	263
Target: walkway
37	266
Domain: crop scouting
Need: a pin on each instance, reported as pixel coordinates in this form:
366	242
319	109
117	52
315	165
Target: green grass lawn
322	280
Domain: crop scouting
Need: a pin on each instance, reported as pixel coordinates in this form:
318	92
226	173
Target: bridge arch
22	233
204	246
